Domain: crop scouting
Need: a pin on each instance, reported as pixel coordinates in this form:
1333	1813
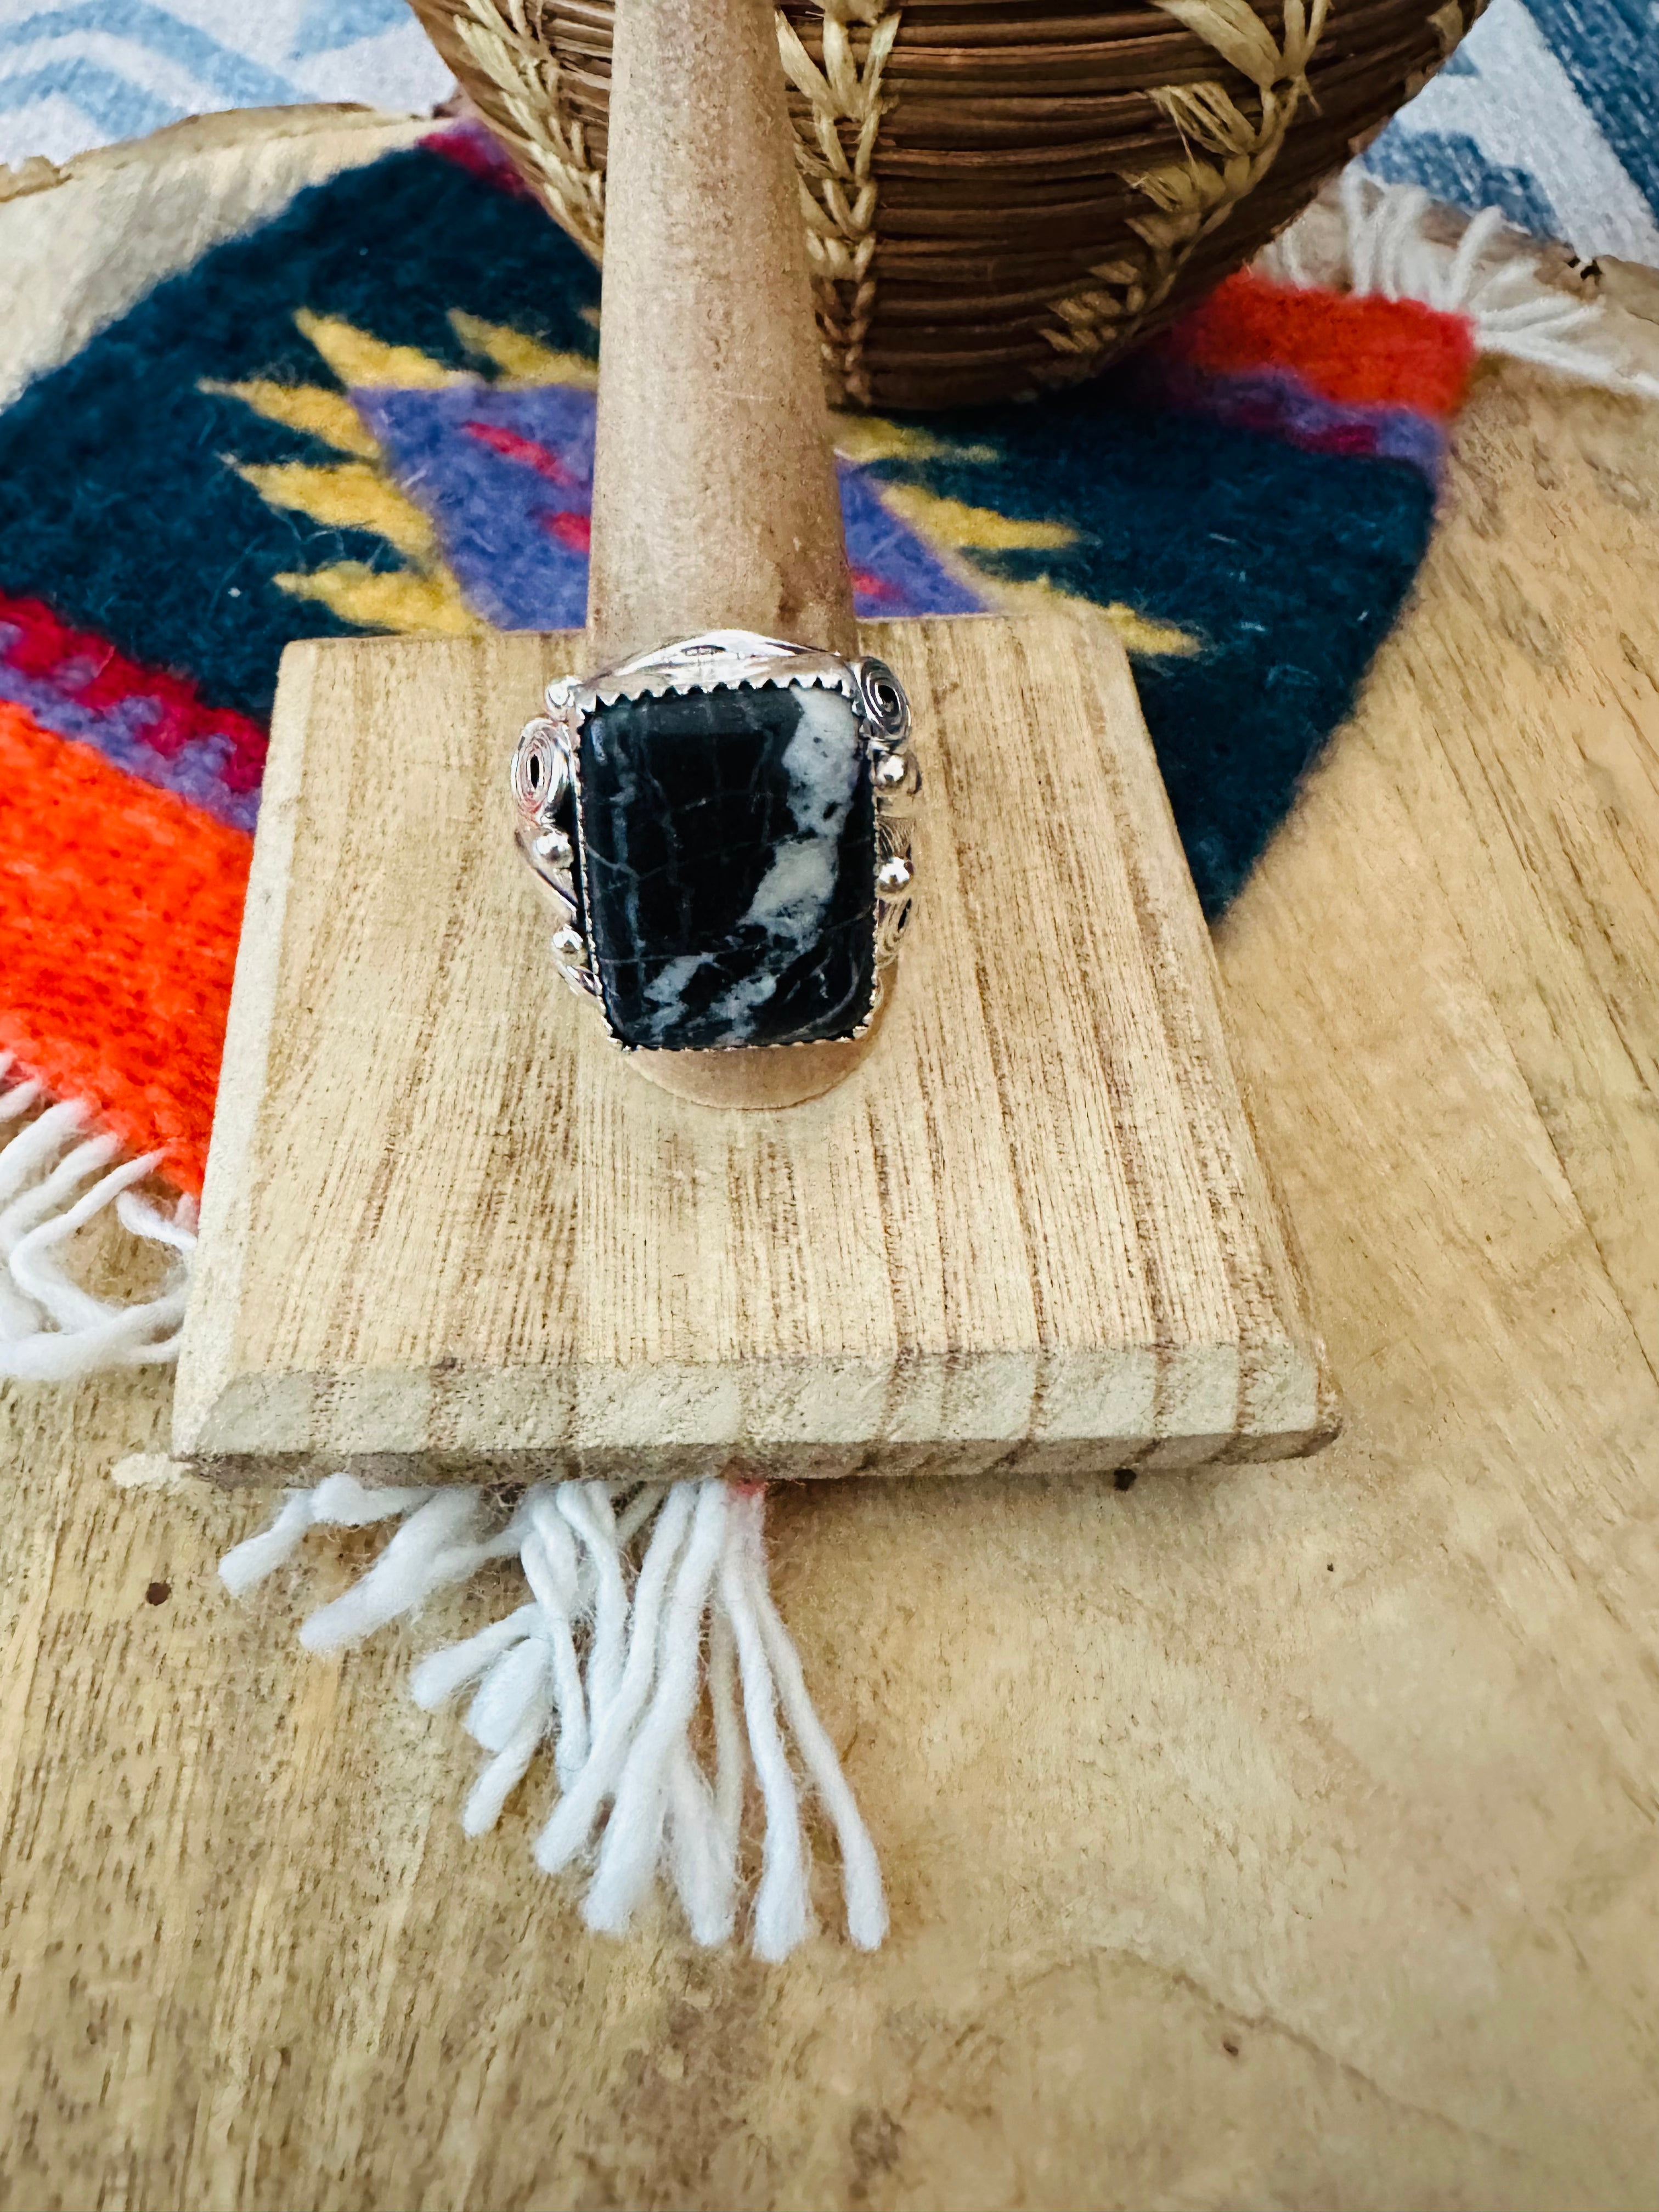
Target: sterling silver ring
722	827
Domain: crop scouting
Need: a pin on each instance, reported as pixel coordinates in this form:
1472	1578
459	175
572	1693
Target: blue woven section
1550	112
81	73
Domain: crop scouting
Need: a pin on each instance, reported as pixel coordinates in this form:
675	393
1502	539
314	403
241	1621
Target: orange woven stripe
119	910
1379	353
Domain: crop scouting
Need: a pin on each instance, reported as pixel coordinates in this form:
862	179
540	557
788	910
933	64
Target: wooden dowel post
714	497
715	502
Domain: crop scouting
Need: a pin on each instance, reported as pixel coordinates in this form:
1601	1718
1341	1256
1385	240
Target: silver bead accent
553	845
570	951
560	693
898	780
895	877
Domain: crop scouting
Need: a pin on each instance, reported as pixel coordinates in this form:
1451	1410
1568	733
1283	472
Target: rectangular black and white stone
729	866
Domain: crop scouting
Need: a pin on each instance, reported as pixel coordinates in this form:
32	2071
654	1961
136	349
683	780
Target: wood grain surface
446	1221
1283	1836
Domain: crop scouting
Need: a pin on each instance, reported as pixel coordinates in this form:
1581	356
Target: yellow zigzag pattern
952	523
360	493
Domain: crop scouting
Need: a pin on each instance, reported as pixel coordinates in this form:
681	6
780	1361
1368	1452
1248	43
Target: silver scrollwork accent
896	774
882	697
542	781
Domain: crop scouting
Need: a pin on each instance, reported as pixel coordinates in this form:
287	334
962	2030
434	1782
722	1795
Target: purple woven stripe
196	772
1276	402
511	530
895	571
506	477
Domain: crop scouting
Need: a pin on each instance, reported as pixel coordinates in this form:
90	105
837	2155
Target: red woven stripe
96	675
120	907
1385	353
472	149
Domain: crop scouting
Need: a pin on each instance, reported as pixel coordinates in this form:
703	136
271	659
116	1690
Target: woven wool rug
373	409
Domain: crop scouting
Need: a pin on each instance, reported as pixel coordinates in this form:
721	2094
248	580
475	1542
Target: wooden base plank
447	1229
1303	1816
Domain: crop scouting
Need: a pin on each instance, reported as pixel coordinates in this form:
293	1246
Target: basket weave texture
999	195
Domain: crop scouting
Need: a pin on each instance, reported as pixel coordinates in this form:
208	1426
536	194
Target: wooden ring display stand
449	1234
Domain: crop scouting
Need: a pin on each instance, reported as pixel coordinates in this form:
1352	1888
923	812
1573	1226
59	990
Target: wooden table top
1278	1834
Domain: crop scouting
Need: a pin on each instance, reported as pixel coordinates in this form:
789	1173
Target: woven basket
999	195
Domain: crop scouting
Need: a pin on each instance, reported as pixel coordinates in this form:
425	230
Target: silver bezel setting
545	772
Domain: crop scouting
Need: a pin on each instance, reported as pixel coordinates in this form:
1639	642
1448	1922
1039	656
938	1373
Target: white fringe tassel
613	1678
1370	237
50	1329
